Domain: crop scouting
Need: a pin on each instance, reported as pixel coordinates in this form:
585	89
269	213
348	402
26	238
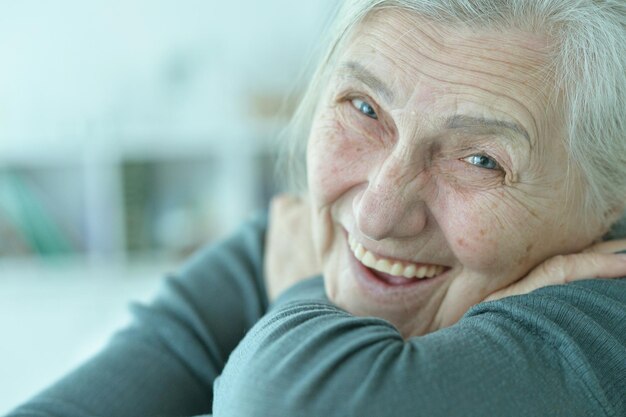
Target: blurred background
131	132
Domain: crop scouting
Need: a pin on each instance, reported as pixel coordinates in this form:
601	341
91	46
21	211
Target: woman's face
434	154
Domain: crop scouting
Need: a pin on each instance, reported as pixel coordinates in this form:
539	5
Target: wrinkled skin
486	201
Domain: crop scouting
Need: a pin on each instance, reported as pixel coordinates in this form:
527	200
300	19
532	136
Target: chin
410	305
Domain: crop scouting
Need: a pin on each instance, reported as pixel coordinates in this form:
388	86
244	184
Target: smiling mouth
398	272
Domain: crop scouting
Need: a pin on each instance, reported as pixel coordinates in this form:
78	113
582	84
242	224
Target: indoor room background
131	133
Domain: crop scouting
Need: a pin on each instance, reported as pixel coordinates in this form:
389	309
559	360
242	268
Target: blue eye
482	161
364	108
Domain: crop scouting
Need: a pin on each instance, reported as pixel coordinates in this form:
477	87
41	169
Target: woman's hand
597	261
290	256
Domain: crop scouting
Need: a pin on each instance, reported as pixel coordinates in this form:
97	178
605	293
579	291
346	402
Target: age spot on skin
523	260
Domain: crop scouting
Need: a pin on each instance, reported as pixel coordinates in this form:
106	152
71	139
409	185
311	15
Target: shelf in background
118	207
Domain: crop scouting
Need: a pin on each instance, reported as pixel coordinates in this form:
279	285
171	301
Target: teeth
352	242
421	272
397	269
369	260
359	252
408	271
383	265
430	271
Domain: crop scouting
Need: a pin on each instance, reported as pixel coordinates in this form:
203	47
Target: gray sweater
210	343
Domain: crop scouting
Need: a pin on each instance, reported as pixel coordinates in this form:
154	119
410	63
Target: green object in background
139	196
31	218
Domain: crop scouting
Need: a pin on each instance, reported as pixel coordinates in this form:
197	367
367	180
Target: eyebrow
359	72
468	122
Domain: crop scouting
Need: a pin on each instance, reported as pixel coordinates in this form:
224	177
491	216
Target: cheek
335	161
472	239
486	232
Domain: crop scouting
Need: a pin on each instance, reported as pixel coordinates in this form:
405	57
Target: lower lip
381	287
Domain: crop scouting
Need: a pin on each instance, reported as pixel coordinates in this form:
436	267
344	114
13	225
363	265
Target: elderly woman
461	157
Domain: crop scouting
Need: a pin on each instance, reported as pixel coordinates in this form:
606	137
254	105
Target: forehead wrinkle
381	42
441	45
436	40
360	72
438	44
487	76
468	36
520	129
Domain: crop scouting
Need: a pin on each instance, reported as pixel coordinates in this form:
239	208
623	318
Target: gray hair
588	50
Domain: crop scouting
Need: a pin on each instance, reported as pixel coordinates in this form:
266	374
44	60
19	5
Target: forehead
409	40
437	68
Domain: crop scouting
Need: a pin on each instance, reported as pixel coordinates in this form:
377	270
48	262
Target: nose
392	205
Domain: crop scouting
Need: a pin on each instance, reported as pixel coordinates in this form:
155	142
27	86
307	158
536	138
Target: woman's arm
166	361
557	351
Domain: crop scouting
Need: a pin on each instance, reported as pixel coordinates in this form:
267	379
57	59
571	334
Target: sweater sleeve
165	363
559	351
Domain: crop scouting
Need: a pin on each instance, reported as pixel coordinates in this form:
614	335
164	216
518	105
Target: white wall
72	67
